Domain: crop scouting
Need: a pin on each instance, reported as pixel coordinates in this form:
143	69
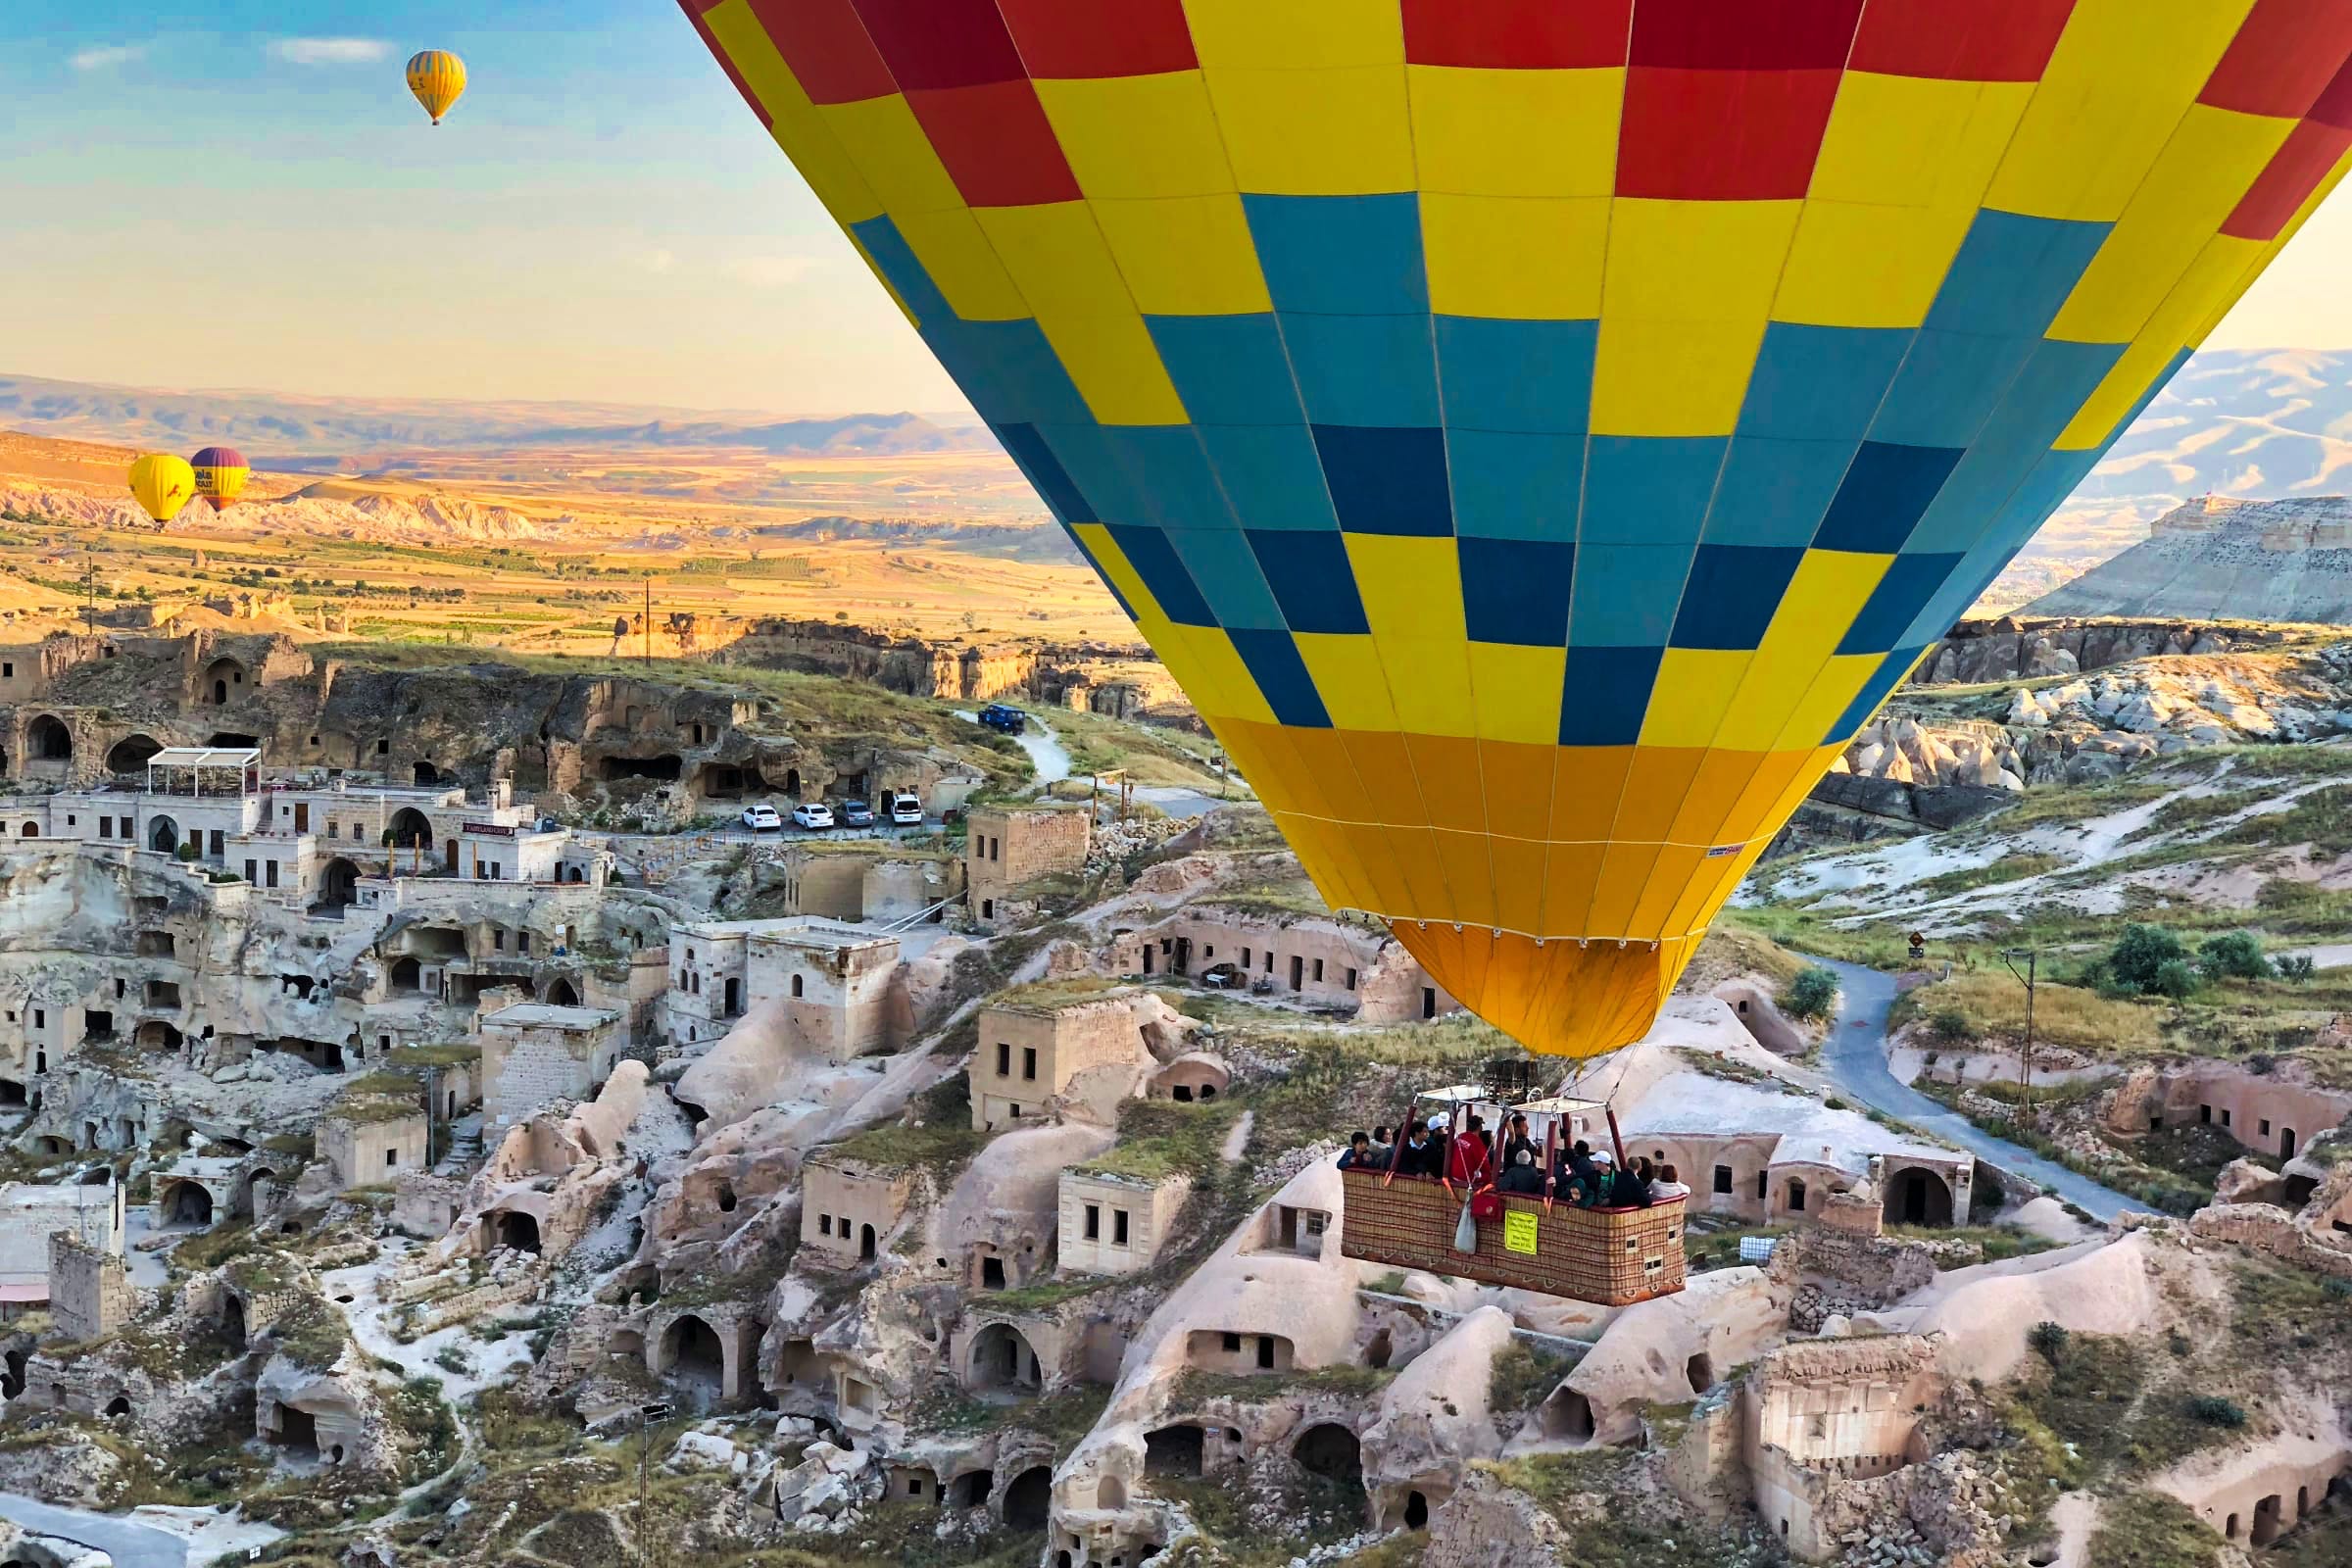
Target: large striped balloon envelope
1538	433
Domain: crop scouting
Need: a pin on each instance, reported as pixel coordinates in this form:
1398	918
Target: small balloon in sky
162	483
437	78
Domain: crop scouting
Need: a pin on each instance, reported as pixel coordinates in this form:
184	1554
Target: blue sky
239	194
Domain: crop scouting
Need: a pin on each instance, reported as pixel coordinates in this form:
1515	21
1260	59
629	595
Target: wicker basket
1612	1257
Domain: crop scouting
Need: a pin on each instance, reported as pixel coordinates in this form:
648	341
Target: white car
813	813
763	818
906	811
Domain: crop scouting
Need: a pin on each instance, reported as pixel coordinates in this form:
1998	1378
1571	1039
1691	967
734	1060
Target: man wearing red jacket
1466	1159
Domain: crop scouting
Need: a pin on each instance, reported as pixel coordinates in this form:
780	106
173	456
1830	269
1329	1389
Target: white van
907	809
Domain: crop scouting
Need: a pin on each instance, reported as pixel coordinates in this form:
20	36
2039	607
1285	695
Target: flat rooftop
238	757
547	1016
807	930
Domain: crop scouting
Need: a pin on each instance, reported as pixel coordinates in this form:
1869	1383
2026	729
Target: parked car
856	814
761	819
813	813
906	809
1011	720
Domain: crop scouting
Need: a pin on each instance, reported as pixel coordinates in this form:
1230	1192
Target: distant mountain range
2221	559
271	427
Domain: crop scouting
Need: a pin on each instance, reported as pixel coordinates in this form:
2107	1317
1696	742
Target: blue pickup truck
1011	720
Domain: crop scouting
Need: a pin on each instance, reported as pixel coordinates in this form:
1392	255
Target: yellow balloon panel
1539	436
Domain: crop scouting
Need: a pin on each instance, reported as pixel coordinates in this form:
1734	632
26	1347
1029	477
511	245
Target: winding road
1854	1058
131	1545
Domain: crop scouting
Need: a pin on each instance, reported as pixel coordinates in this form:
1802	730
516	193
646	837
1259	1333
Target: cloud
769	272
105	55
330	51
658	260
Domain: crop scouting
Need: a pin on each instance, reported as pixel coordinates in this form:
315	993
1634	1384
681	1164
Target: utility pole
2009	956
90	591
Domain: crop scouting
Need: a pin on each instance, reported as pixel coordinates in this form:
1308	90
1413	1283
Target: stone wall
1130	1218
371	1153
844	1202
90	1293
1028	1057
1009	846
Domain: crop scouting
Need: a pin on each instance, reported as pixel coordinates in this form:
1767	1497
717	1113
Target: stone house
1113	1223
835	979
2275	1114
1323	961
534	1051
1816	1416
1008	846
849	1206
1080	1052
375	1131
29	1214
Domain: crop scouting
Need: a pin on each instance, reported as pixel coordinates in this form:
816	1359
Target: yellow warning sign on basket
1519	1233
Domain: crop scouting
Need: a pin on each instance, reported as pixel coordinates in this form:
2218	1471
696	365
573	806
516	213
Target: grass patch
1993	1003
2012	867
1050	994
1522	1375
1163	1137
937	1135
2150	1530
1996	1242
1195	1388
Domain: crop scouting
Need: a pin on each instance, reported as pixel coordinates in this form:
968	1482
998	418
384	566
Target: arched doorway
224	678
405	973
1330	1450
1029	1500
411	829
1002	1360
517	1232
119	1404
338	884
427	774
561	993
1178	1451
131	754
866	1243
1566	1416
162	835
188	1202
47	740
691	1352
1914	1197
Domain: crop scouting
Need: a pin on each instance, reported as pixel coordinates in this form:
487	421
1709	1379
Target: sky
238	194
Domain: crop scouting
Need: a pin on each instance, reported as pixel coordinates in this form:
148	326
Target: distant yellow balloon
436	77
162	483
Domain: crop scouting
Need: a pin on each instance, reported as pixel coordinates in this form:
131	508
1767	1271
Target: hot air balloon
221	476
162	483
1539	436
437	78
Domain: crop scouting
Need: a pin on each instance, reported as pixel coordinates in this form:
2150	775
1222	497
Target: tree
1810	993
2143	949
2235	955
2176	978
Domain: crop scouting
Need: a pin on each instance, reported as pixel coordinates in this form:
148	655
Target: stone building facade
1114	1224
1348	965
1008	846
90	1293
848	1208
835	982
1031	1057
535	1053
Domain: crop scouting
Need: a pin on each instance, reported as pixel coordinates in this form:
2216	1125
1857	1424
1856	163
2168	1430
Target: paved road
131	1545
1854	1058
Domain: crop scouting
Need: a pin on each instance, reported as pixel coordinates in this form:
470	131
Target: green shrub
2235	955
2176	978
186	852
1811	994
2049	1340
2216	1411
2296	968
1951	1026
2134	964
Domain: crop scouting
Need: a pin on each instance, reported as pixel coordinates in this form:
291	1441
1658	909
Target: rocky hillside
2288	560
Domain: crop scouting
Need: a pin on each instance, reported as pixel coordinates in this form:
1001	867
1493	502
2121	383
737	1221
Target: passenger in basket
1383	1147
1414	1161
1634	1184
1604	1181
1522	1176
1466	1160
1668	1185
1358	1153
1515	1140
